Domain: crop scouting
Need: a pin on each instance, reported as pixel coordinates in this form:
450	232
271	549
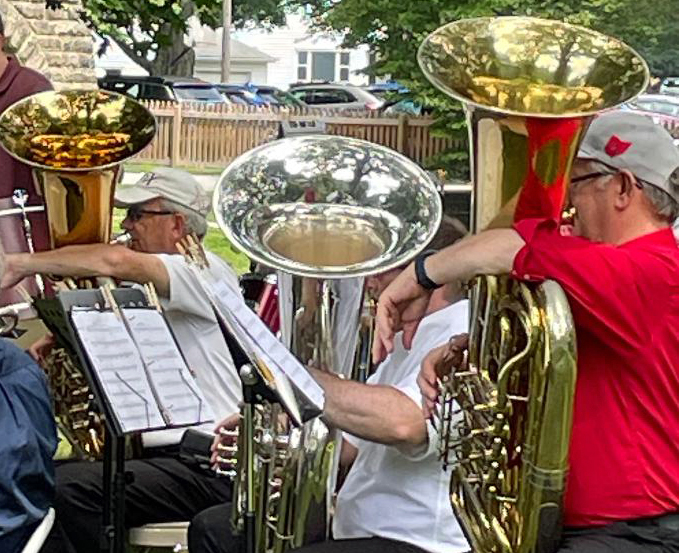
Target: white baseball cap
168	183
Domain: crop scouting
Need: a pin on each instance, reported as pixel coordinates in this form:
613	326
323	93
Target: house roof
239	52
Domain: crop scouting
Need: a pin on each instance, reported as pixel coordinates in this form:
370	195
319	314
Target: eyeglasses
597	174
134	214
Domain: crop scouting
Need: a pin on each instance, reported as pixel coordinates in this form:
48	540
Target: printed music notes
277	365
180	398
119	368
140	368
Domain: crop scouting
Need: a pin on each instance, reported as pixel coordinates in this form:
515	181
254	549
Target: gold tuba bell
529	88
325	211
76	141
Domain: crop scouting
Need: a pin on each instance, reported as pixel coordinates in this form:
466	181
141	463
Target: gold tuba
76	141
529	88
325	211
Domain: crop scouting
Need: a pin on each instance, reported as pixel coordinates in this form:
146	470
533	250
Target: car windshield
279	98
657	106
198	93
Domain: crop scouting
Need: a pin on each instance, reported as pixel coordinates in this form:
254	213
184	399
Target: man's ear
626	190
179	225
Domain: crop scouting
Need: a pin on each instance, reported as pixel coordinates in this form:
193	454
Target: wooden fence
213	135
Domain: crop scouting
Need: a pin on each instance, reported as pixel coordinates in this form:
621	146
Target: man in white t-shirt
164	206
395	496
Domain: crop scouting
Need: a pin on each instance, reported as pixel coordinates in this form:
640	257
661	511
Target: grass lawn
144	167
215	241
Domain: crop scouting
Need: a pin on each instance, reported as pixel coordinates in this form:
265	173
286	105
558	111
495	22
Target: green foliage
152	32
394	29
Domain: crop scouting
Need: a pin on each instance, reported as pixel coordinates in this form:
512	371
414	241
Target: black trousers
164	489
210	532
622	537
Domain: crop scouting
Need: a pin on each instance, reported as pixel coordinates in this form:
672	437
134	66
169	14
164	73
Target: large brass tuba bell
325	211
76	141
529	88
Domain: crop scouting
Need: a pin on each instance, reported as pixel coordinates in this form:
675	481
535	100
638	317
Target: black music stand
259	384
56	313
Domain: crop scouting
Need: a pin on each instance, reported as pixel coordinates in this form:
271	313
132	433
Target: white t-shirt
200	339
392	495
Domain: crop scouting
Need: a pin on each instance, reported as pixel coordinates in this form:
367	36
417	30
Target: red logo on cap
616	147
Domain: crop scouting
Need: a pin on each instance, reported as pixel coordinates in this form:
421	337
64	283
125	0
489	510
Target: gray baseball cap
168	183
625	140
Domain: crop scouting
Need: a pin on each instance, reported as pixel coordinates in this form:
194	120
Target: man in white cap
165	206
619	267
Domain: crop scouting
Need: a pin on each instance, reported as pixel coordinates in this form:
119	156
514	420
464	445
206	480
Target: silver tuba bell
325	212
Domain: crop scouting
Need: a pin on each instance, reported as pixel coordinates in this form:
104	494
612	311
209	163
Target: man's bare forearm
377	413
92	260
490	252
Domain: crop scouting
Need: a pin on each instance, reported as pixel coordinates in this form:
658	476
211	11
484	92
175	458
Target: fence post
176	134
401	132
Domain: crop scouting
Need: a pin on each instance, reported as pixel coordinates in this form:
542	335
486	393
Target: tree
152	32
394	30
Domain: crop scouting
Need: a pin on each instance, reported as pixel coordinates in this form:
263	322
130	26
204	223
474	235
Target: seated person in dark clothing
29	440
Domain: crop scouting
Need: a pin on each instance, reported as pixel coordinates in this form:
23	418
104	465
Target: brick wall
54	42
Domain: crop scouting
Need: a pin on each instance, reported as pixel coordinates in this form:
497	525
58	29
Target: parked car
339	96
663	109
656	103
175	89
273	96
384	91
669	85
239	94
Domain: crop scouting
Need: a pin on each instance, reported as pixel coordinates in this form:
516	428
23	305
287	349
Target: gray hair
664	206
195	223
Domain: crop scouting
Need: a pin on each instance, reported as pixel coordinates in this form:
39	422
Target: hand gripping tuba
325	211
76	141
529	88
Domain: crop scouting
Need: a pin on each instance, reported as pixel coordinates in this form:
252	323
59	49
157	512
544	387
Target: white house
298	54
248	64
280	56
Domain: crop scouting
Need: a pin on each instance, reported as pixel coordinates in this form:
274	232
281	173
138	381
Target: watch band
420	273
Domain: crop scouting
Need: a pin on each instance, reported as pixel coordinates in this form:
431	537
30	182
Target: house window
344	60
323	66
302	66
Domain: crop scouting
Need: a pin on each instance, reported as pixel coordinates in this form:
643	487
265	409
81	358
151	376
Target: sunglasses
134	214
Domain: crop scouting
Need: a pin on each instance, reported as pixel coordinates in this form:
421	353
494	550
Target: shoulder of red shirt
27	81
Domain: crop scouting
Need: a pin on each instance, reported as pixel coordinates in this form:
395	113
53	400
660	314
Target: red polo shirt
624	453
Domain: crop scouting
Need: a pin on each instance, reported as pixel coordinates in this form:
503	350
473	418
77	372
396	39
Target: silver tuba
325	212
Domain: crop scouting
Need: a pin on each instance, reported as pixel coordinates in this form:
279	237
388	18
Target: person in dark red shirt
619	267
17	82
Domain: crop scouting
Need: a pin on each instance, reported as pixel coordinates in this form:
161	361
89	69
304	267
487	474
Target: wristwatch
420	273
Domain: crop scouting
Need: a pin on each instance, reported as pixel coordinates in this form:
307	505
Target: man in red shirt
619	267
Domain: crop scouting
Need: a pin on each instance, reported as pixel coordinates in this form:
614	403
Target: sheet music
181	400
255	337
119	367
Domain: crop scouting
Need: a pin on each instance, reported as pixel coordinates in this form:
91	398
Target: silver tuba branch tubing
324	212
529	88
